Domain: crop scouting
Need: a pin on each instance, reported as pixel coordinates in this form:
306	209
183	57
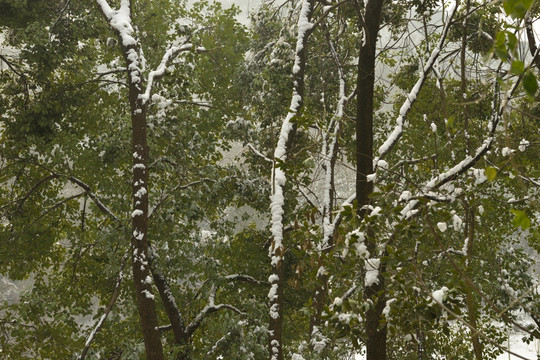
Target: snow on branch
210	308
469	161
245	278
258	153
169	55
280	153
120	20
394	137
279	179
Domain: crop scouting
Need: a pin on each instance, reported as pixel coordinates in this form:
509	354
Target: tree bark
140	150
178	324
464	76
139	240
375	332
286	137
469	290
532	42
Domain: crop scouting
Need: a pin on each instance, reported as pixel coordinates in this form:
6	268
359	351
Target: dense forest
336	179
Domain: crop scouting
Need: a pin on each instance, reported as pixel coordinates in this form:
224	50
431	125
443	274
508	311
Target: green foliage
521	219
517	8
64	114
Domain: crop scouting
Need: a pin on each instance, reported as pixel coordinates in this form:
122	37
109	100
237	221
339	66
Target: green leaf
530	84
517	8
517	67
512	40
491	173
521	219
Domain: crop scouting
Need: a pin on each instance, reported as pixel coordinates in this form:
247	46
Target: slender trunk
470	298
275	326
469	229
139	241
171	308
463	65
532	41
279	178
328	234
375	293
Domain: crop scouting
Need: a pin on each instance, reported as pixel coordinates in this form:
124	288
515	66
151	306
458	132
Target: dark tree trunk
370	23
178	324
532	42
469	289
139	142
139	240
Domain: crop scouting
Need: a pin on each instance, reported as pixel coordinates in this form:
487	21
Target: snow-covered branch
210	308
258	153
245	278
280	153
119	20
279	179
169	55
394	137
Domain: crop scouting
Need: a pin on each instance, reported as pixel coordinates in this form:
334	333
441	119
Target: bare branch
532	42
258	153
177	187
394	137
34	188
210	308
55	206
104	209
246	278
15	322
107	310
169	303
169	55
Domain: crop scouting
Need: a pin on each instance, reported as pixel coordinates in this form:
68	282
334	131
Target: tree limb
107	310
210	308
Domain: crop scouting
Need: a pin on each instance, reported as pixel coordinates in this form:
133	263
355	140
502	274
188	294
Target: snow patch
372	271
442	226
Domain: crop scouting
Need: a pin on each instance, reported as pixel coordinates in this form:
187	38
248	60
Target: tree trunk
275	326
139	240
178	324
286	138
469	291
370	23
139	142
464	77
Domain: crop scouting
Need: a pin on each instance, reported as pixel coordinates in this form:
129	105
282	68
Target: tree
385	160
384	238
70	172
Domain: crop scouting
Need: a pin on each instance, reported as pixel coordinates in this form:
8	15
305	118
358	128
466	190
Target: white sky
244	5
